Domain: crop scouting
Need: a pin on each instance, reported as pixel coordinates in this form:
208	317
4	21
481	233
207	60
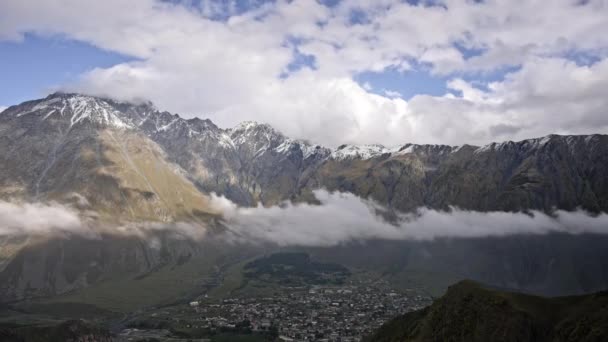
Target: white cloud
344	218
148	230
2	108
37	218
391	93
229	70
548	95
341	218
54	219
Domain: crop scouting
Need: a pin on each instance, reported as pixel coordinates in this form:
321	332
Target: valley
234	302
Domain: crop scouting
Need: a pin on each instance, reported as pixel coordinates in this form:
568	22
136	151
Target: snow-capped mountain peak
358	151
78	108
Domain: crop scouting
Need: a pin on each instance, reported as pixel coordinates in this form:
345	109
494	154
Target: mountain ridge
173	118
254	163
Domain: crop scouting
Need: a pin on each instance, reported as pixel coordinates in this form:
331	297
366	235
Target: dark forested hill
471	312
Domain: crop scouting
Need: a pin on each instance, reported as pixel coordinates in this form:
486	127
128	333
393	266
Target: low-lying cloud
176	230
37	218
344	217
53	218
341	218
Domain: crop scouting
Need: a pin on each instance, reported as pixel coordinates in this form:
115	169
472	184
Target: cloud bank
510	74
341	218
38	218
17	219
344	218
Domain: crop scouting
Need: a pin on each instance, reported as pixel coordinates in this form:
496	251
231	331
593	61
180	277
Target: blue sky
37	65
407	83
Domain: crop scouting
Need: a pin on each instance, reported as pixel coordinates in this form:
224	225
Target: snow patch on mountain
40	107
167	126
310	150
307	149
403	150
225	141
346	152
358	152
528	144
249	131
368	151
96	111
81	108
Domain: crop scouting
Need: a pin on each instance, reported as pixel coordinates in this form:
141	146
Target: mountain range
117	162
135	162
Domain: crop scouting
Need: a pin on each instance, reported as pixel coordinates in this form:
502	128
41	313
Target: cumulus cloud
343	218
545	95
237	68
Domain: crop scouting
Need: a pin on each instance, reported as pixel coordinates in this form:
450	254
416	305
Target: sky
331	71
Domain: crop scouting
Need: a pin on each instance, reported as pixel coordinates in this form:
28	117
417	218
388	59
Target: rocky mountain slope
470	312
83	150
149	164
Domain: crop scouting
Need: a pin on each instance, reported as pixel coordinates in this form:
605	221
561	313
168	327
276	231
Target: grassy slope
126	294
169	283
156	189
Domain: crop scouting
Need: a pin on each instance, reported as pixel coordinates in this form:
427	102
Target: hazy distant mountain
148	164
471	312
